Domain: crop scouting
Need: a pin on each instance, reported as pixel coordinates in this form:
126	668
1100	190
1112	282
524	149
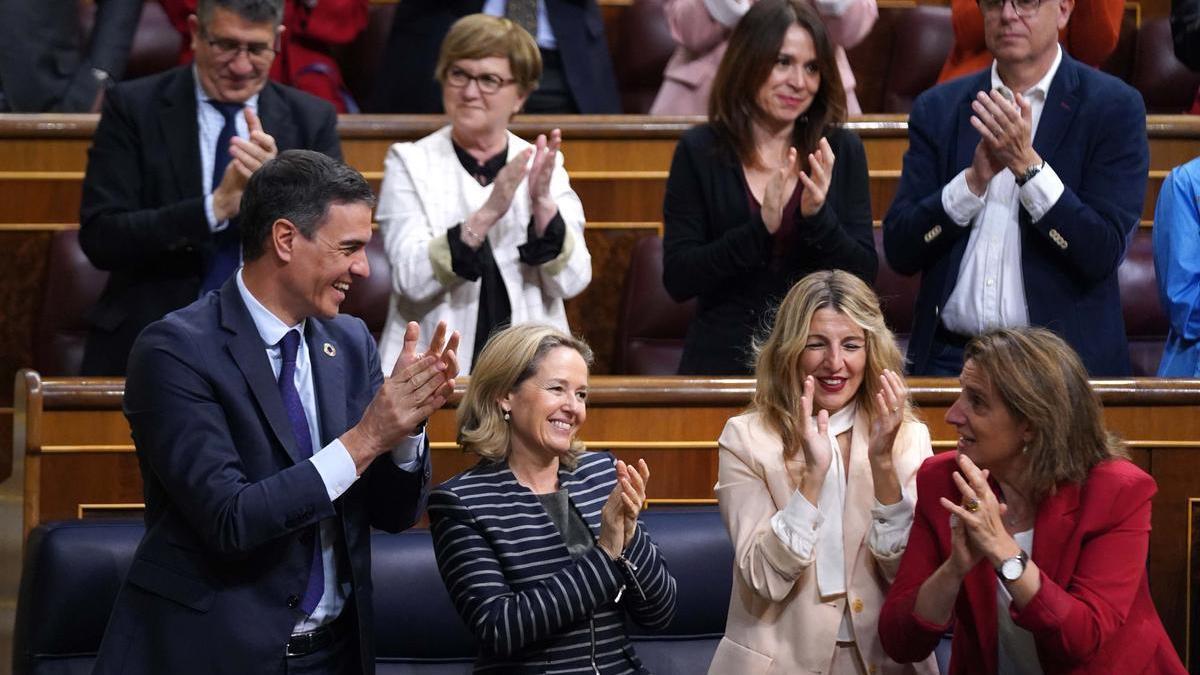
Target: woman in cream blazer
818	530
482	228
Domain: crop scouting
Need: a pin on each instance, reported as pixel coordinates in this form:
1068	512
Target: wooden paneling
618	166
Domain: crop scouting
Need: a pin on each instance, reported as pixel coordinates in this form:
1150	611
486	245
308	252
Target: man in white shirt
270	444
1020	187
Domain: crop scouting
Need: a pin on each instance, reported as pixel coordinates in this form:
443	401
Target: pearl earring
507	416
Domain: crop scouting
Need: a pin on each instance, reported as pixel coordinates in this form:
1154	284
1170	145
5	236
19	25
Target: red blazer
1093	613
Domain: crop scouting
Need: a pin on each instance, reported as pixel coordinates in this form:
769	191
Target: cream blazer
777	621
425	192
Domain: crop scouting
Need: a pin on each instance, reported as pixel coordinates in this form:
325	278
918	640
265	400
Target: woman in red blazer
1031	539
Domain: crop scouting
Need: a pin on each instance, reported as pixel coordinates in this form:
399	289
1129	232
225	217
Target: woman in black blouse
772	188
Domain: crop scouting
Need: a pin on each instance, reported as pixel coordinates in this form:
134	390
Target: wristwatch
1011	569
1026	175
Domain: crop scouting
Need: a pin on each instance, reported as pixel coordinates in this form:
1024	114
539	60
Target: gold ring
896	409
971	505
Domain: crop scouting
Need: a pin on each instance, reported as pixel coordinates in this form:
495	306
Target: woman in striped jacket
539	543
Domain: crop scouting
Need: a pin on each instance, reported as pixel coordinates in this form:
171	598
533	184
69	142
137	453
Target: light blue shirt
545	35
1177	265
332	462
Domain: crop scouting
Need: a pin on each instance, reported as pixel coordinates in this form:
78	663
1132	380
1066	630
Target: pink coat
701	28
778	624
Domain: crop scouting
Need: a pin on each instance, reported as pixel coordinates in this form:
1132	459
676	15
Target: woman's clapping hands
618	517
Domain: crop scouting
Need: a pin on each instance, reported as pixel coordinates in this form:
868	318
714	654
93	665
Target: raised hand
816	181
890	403
540	171
635	489
419	384
814	441
439	348
405	399
245	157
612	516
776	194
1007	129
981	514
498	202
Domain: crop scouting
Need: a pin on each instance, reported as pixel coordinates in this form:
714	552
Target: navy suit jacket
231	505
142	213
407	85
1093	133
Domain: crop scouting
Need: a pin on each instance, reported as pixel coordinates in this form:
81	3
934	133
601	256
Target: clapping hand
816	181
980	515
245	157
1006	126
776	194
814	440
890	402
419	385
540	170
618	517
498	202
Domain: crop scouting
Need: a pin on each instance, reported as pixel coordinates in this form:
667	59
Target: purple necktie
288	347
227	246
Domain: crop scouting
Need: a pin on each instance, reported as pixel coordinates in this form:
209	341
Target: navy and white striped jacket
531	607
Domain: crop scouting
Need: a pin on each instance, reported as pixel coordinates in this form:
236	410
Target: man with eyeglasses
1090	36
168	163
1019	190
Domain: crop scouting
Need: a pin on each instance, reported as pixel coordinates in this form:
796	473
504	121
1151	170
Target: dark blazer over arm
1093	134
142	213
716	249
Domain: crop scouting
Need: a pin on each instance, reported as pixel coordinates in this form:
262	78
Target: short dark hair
299	186
753	48
254	11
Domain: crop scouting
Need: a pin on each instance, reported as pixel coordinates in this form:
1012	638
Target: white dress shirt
332	462
990	290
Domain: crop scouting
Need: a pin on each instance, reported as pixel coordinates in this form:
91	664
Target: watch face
1011	569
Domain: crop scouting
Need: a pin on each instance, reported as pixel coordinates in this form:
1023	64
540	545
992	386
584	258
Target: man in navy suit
167	166
269	444
1020	187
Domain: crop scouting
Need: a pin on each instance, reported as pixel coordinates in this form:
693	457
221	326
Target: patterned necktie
227	250
288	347
523	13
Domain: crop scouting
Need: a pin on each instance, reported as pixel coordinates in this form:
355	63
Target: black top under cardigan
717	249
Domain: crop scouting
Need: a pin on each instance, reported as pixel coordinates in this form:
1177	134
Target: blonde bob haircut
1043	383
478	36
510	357
777	369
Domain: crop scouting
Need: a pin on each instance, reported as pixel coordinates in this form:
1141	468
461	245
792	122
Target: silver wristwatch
1029	173
1011	569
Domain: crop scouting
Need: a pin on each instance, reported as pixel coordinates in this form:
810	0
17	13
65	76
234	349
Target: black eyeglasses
1023	8
489	83
226	49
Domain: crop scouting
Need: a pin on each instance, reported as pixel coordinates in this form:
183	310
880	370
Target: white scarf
831	550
